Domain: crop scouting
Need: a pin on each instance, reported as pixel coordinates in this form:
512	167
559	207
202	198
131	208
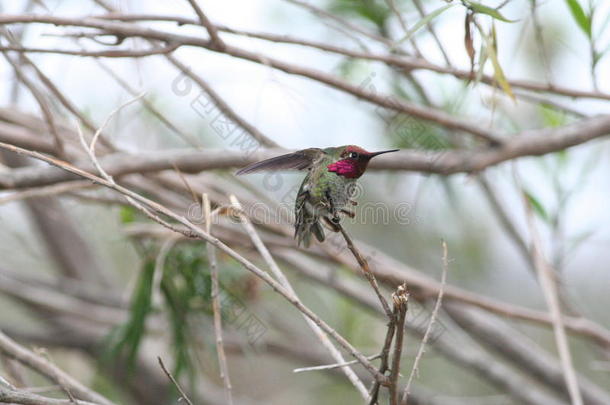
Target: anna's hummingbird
327	188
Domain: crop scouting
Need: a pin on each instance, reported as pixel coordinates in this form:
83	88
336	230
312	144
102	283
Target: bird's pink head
353	161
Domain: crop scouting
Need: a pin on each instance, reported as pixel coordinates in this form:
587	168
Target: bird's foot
349	213
331	223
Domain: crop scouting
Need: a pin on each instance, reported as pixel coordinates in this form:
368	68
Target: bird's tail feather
304	230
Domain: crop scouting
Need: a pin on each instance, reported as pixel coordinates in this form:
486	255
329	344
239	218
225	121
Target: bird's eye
353	155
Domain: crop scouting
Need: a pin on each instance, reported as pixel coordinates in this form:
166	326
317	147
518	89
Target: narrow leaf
483	9
483	56
536	206
498	72
424	21
583	21
468	43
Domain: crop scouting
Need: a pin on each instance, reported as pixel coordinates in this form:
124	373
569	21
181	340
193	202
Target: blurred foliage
128	214
408	132
425	20
582	19
536	206
185	288
352	69
125	340
374	11
483	9
551	116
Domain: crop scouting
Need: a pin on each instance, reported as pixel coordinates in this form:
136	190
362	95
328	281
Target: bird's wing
299	160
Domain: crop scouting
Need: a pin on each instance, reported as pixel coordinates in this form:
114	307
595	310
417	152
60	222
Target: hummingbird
327	189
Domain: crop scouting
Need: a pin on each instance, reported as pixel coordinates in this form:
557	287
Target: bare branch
404	61
218	43
194	231
437	116
332	366
111	53
222	105
527	143
222	358
277	272
173	380
364	265
433	317
401	300
49	370
546	278
26	398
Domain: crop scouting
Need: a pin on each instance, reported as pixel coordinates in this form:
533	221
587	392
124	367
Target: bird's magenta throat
347	168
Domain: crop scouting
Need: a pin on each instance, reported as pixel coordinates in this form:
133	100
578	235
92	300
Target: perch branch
428	332
213	261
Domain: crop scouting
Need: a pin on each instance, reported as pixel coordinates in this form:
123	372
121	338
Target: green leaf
537	207
582	19
424	21
493	56
562	157
552	117
483	9
483	56
127	214
373	11
126	340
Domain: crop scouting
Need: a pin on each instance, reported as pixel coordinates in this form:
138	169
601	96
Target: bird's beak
373	154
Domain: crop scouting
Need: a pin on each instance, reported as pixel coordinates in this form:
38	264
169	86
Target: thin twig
385	355
332	366
433	317
40	99
279	275
148	105
546	279
105	123
173	380
110	53
364	265
342	22
222	358
194	231
53	189
407	62
15	351
42	352
402	61
222	105
205	22
401	300
166	247
23	397
429	114
90	149
422	14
